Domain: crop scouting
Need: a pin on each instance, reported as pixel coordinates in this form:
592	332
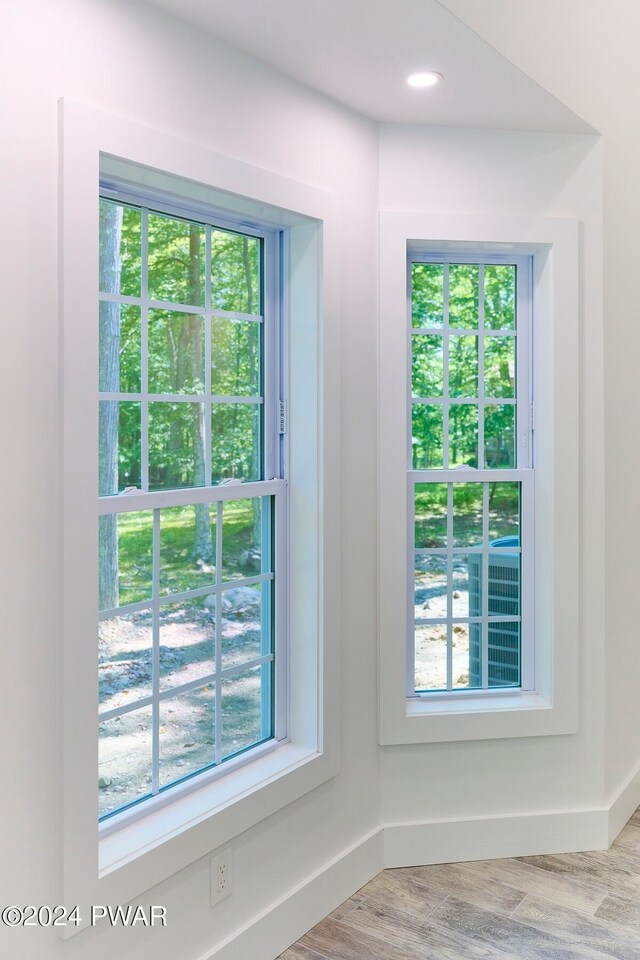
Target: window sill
476	717
476	704
140	834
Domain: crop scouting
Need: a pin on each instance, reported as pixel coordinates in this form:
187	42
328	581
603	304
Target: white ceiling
359	52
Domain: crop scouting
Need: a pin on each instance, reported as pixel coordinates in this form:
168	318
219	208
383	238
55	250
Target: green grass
179	567
431	513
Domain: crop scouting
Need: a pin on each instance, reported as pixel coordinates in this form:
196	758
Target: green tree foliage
176	274
427	365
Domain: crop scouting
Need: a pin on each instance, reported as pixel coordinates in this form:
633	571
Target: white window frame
522	473
115	867
552	706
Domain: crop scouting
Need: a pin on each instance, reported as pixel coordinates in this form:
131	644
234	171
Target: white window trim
148	849
552	708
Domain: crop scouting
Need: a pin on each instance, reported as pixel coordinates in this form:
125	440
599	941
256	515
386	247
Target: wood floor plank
585	896
577	928
629	838
347	906
451	879
613	873
298	952
516	939
403	893
418	938
620	910
338	941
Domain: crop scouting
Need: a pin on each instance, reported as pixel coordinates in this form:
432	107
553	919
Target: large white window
470	485
229	730
191	625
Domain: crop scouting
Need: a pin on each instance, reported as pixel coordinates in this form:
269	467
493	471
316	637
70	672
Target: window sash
272	664
522	472
525	479
522	333
268	322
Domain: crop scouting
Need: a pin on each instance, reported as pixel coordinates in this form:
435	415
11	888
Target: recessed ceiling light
427	78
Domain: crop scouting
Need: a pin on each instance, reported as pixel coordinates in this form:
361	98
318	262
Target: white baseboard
269	933
487	838
624	802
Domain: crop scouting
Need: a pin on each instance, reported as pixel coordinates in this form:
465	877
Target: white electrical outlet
221	876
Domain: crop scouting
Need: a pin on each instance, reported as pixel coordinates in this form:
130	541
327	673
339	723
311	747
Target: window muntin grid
229	690
234	638
155	411
464	359
469	581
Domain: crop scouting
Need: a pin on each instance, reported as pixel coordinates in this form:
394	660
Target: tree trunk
256	504
110	236
203	545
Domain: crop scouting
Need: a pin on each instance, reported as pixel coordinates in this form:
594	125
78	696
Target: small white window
191	623
470	489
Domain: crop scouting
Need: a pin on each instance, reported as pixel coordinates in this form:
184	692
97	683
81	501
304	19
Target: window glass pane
431	657
430	515
426	436
467	514
187	547
135	556
242	538
463	435
475	571
235	441
460	668
187	734
500	436
465	570
463	295
124	760
242	711
504	583
504	512
235	272
235	358
176	445
504	654
499	367
463	366
427	287
120	233
176	352
500	296
426	366
124	659
125	551
242	624
476	634
119	348
176	260
187	641
119	446
430	587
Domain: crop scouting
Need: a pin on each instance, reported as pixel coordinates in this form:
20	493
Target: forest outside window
470	476
191	499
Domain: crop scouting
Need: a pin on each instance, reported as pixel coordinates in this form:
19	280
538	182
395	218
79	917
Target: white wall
585	52
131	59
489	172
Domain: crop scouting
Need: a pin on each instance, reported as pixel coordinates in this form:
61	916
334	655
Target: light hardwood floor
573	906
